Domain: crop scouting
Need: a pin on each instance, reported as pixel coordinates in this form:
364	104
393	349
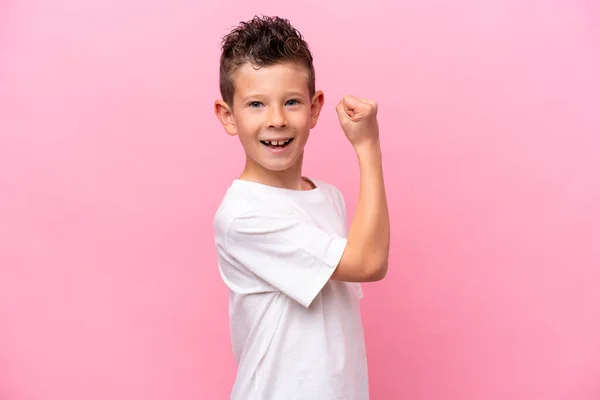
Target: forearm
370	229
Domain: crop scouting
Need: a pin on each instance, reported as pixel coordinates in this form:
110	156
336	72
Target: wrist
368	148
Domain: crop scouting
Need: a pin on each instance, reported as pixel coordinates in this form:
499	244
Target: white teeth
276	142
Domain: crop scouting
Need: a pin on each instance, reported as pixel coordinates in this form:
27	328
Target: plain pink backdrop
112	165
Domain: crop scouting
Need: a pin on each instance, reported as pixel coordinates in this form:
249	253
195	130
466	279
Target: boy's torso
284	350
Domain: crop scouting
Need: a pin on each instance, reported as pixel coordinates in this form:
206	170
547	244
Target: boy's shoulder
235	203
244	197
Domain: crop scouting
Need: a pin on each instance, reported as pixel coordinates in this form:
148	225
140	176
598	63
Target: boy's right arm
365	257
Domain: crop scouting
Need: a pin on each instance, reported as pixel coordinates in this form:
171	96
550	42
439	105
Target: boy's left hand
358	118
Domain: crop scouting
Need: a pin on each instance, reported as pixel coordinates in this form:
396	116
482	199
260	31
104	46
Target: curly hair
262	41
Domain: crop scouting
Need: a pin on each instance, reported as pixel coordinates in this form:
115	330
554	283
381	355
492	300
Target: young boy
284	251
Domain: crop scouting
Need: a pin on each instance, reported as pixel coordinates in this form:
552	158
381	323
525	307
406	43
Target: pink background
112	165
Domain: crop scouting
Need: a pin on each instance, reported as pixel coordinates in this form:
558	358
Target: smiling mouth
277	144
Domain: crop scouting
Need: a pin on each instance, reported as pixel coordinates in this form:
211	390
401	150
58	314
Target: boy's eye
293	102
255	104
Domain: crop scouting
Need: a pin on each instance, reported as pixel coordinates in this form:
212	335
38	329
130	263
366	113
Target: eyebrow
259	95
295	94
252	96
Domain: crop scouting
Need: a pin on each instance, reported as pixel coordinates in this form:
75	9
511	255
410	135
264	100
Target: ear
316	105
225	115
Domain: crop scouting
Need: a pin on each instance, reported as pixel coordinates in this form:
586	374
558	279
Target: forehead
271	79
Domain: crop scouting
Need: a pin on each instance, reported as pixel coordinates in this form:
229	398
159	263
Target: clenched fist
358	118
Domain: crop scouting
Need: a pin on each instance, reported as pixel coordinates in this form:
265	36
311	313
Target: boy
284	251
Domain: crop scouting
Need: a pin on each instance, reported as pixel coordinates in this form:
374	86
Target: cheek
248	124
300	120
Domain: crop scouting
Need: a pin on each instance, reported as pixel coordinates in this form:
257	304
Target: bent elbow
377	271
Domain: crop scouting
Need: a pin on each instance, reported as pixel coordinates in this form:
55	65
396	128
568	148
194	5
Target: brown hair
262	41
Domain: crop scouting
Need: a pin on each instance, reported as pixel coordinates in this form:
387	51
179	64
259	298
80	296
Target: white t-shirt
295	334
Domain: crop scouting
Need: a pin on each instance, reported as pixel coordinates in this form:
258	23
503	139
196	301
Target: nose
277	118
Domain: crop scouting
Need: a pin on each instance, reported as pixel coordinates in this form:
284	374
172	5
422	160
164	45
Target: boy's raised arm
365	258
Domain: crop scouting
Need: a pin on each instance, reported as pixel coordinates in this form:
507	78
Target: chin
277	167
276	163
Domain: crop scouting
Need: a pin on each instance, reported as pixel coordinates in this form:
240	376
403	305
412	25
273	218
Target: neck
290	178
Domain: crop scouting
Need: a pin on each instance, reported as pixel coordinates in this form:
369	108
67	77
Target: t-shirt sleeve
292	255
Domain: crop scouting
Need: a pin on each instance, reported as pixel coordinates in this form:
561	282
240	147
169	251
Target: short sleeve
292	255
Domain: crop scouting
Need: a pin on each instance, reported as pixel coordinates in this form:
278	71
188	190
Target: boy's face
272	114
